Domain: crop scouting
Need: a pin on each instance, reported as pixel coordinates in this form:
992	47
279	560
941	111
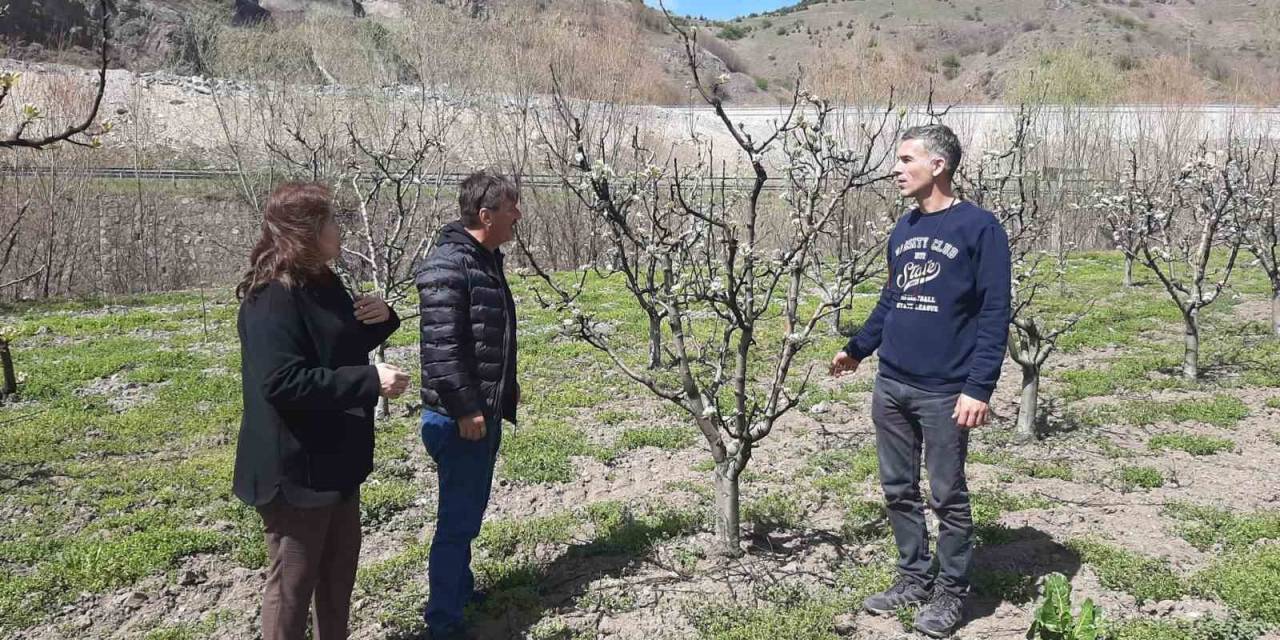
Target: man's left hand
970	412
371	309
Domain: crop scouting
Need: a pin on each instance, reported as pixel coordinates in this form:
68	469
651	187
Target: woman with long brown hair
306	436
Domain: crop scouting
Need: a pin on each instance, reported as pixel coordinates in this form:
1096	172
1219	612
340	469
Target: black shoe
453	633
904	591
939	617
457	632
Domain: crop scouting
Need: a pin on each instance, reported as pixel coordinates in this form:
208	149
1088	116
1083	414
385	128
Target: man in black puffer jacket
468	381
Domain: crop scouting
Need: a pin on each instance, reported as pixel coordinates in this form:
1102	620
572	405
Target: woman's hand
392	381
371	309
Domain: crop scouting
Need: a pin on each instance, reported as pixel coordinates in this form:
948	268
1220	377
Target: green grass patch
622	529
987	508
513	584
378	578
1144	578
1234	627
774	511
989	505
1114	320
700	489
381	500
1220	411
1031	468
1207	527
803	616
864	521
506	537
615	417
1150	630
1247	580
606	601
1109	449
667	438
843	472
95	565
1196	445
541	452
1139	477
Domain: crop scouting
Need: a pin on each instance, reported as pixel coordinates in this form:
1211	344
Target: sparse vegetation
116	449
1137	477
1144	578
1196	445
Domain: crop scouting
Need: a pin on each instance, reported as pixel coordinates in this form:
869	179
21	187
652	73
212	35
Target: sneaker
939	617
904	591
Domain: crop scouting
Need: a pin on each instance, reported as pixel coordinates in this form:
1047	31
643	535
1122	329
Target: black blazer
309	390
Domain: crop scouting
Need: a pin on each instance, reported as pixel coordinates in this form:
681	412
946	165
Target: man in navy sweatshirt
941	327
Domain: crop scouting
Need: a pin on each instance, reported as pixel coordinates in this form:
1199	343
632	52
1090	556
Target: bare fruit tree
1261	223
1191	216
594	138
1125	222
1015	192
395	177
737	288
397	180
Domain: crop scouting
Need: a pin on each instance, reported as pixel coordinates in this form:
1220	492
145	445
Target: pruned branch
14	139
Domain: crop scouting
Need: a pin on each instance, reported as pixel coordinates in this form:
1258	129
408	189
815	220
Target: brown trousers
313	554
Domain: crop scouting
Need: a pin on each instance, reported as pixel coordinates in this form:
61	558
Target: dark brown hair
288	250
483	190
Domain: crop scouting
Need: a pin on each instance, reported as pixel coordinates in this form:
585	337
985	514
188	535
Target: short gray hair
939	140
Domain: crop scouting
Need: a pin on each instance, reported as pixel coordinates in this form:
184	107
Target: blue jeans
907	420
465	471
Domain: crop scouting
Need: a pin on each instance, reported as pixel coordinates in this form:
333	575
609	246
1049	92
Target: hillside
1087	50
1092	51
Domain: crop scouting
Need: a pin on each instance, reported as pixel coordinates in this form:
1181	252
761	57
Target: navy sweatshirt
942	322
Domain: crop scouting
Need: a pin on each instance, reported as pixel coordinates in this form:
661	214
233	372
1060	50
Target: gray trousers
907	420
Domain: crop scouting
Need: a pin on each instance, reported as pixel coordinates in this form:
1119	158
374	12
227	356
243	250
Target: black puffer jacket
468	329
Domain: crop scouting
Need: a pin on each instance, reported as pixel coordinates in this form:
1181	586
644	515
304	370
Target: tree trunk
1275	312
728	531
384	405
835	319
1128	271
6	361
1030	407
1191	359
655	340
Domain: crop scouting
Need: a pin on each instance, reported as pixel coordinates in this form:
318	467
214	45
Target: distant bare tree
1004	182
1261	223
1189	215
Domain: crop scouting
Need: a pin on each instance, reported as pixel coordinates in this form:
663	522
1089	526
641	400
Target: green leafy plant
1054	620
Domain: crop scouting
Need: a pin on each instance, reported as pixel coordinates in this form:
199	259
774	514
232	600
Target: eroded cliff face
147	34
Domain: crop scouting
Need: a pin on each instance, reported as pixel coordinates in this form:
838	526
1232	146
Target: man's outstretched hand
843	363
